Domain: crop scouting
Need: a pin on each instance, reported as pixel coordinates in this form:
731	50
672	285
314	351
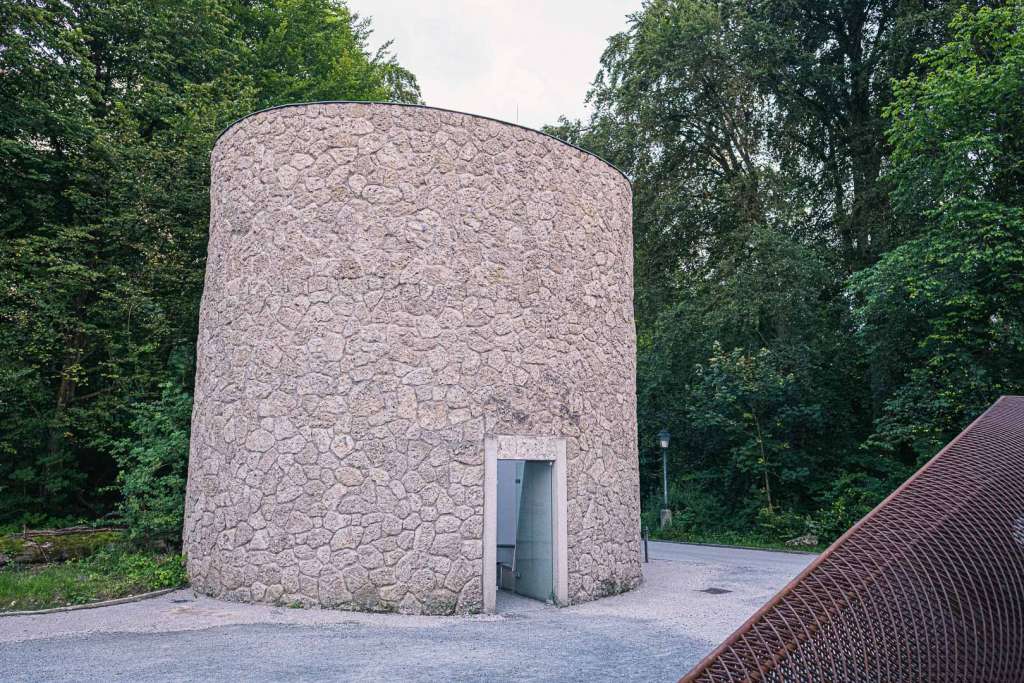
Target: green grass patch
113	572
743	540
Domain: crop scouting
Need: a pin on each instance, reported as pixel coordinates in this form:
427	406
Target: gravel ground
655	633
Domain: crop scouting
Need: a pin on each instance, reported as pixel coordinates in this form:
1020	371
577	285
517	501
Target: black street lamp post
666	514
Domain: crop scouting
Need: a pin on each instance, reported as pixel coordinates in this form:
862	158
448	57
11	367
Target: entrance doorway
525	519
525	543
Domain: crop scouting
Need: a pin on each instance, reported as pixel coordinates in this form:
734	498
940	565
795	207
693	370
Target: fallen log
37	546
69	530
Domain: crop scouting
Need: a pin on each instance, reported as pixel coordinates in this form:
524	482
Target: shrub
153	465
112	572
851	497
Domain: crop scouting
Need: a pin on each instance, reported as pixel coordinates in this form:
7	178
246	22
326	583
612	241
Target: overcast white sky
491	56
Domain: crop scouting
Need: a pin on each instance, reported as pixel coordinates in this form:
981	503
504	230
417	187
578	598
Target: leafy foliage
943	314
113	572
153	465
746	412
827	233
828	229
112	110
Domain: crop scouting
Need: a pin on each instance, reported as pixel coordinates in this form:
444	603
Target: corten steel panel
928	587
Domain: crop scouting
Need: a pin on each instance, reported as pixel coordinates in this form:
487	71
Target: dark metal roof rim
424	106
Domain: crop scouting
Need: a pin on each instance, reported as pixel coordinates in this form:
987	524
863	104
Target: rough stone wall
387	284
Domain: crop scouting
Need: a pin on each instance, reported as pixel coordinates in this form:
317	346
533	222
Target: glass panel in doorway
534	556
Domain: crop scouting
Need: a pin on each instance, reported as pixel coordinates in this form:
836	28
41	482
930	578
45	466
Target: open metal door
534	560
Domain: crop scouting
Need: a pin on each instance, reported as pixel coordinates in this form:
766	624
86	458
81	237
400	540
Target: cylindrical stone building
397	299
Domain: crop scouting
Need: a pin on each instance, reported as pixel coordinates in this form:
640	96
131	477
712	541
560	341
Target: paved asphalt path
655	633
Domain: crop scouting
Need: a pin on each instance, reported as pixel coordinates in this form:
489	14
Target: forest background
828	223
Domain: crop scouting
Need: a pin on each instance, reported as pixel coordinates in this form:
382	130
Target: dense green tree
725	251
754	133
315	50
943	313
112	109
829	235
728	114
675	107
746	414
828	67
152	461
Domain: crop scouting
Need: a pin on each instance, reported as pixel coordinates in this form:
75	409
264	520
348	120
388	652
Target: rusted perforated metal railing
928	587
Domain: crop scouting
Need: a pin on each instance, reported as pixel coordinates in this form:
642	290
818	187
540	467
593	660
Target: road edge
93	605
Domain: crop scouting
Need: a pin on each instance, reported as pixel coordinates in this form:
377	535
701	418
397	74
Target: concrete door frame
514	447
